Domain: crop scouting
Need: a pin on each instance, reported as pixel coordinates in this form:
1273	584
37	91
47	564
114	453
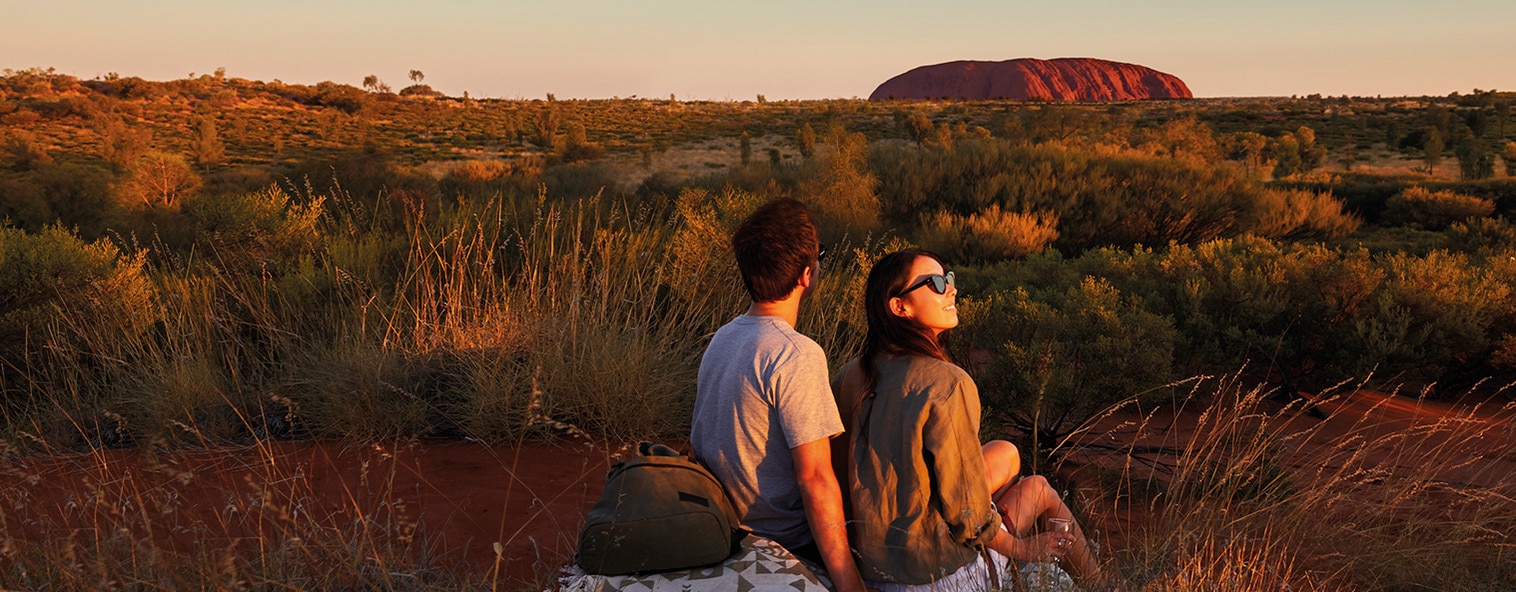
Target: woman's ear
899	308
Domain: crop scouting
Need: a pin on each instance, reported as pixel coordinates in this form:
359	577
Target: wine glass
1061	525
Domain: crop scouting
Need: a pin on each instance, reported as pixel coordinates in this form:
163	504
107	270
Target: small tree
374	84
417	76
1248	147
920	127
1475	159
1312	155
1509	156
121	145
747	148
207	144
805	140
1502	111
160	179
548	121
1348	156
1431	149
1286	151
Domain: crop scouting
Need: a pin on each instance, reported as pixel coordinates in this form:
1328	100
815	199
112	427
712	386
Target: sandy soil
531	498
463	497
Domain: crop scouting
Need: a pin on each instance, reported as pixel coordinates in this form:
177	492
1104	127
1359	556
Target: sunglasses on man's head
939	284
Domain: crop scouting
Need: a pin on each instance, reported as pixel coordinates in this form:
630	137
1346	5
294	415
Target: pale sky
784	49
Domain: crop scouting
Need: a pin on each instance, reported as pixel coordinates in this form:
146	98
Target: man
764	415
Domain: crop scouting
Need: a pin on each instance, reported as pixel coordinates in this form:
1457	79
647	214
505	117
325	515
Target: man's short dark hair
773	246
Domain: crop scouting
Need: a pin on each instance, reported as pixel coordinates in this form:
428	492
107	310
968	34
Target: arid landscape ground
510	514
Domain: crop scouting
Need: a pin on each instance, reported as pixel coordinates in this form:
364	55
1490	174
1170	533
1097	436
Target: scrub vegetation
215	261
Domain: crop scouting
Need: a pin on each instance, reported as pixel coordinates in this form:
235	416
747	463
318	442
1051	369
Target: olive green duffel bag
660	511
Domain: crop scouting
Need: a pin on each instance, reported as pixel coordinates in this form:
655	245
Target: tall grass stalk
1390	493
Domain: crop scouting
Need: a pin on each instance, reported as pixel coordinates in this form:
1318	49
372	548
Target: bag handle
651	449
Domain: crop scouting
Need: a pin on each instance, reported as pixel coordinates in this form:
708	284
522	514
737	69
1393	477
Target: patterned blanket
760	565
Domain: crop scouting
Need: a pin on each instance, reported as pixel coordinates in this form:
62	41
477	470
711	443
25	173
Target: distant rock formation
1062	79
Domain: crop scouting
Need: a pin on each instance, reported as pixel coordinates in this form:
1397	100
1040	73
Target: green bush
1418	207
57	290
71	312
1481	235
1101	196
1431	312
1058	360
248	232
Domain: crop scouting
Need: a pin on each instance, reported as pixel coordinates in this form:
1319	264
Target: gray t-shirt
762	390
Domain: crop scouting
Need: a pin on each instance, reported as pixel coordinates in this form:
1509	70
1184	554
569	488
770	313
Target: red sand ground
530	498
465	496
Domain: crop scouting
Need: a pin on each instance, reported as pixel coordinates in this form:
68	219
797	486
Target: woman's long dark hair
889	333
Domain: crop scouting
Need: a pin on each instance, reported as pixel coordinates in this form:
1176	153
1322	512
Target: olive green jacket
914	475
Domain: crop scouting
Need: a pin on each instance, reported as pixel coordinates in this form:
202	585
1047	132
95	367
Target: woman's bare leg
1028	503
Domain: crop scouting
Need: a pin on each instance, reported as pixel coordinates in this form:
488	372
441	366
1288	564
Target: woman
919	483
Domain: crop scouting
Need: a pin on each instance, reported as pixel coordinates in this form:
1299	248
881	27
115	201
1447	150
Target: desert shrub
1432	311
23	151
1476	159
498	396
237	179
1418	207
1296	153
703	272
1101	197
22	117
1059	359
349	99
1481	235
482	180
384	193
1186	137
22	204
991	235
260	231
841	195
1286	309
581	180
120	144
576	145
1298	214
62	193
67	302
420	90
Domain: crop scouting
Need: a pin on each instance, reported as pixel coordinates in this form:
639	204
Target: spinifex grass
1388	493
245	518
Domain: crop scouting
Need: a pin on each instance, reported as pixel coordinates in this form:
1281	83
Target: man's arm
823	510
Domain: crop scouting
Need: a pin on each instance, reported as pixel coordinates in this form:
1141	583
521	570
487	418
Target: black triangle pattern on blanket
761	565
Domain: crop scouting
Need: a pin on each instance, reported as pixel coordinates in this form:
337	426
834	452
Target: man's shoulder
772	336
